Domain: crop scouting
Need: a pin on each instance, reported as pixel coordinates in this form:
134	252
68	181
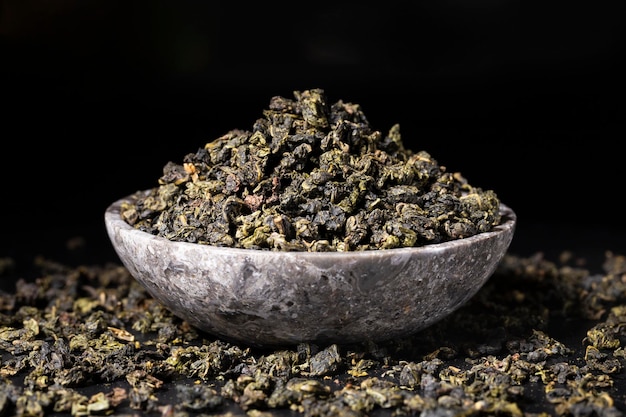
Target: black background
525	100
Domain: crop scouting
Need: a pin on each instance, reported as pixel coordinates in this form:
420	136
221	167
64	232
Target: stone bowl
271	298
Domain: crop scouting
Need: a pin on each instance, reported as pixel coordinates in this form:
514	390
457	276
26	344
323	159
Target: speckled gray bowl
268	298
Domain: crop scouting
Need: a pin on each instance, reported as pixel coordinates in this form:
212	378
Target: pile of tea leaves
311	176
541	338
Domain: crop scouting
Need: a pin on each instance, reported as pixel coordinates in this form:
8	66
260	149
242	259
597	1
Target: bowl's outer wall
269	298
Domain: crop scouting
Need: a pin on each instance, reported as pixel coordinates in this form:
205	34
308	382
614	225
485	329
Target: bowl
271	298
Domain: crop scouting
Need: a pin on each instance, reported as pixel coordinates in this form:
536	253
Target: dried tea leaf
311	176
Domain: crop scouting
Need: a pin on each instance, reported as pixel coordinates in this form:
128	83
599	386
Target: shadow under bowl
271	298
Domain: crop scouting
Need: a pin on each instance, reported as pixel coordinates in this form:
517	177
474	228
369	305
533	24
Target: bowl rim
507	223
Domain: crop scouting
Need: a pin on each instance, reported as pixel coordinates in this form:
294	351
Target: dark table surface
588	245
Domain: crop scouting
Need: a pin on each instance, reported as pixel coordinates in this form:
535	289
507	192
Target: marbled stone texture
271	298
